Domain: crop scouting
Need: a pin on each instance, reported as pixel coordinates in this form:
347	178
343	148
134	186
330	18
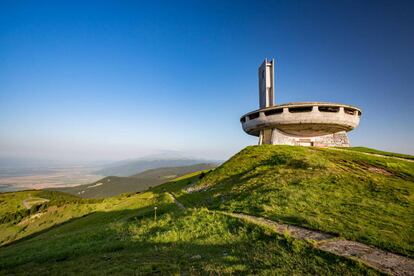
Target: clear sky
86	80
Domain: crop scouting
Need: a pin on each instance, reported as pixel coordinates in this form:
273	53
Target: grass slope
43	209
115	185
120	236
358	196
11	202
380	152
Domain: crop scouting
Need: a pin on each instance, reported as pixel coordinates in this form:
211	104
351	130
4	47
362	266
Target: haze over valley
21	174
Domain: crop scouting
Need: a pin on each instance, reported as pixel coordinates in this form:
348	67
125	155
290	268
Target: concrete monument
317	124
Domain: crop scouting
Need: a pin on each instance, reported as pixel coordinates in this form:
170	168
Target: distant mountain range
115	185
134	166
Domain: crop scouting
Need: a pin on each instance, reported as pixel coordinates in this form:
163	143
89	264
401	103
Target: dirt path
26	204
381	260
179	204
378	155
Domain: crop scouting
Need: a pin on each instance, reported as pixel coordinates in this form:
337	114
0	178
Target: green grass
357	196
54	215
380	152
127	240
62	207
47	208
13	201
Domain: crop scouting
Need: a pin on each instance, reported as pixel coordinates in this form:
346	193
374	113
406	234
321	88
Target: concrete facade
338	139
304	123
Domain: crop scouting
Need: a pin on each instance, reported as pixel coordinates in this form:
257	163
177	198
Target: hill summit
360	193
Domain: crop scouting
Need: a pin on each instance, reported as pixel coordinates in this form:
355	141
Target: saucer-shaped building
317	124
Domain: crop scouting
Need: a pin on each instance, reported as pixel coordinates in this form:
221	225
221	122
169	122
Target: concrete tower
302	123
267	84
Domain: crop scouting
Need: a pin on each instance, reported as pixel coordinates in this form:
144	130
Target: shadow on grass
129	241
30	236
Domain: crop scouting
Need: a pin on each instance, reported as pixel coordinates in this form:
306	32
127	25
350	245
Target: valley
53	177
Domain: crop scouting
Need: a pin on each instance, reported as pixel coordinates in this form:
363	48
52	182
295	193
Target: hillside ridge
115	185
363	197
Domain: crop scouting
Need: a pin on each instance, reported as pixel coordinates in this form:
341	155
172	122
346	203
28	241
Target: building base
276	137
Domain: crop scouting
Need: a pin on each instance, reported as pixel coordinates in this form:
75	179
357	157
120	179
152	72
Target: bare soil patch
379	170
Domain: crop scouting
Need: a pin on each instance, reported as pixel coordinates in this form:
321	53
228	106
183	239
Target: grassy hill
358	196
115	185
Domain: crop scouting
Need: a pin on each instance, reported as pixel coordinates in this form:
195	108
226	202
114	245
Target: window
254	116
273	111
328	108
243	119
349	111
300	109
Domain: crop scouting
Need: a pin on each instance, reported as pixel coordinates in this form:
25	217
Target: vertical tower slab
267	84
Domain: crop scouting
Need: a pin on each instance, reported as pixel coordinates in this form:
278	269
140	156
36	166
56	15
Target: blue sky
88	80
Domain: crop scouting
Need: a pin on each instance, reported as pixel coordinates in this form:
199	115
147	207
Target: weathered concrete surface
306	123
339	139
